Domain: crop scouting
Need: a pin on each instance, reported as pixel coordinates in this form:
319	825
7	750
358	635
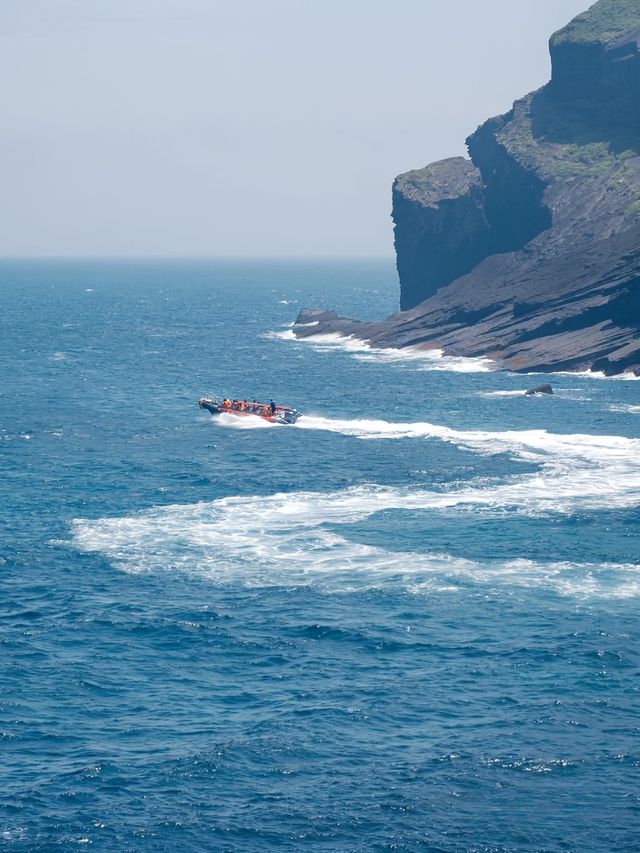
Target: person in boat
272	406
226	404
245	406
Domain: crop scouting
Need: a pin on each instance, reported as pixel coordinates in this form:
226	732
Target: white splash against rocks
427	360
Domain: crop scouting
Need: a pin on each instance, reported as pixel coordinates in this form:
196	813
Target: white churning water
284	539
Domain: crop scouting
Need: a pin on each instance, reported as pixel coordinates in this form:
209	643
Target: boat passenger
272	406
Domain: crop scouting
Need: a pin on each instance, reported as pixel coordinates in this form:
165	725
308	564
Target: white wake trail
302	537
284	540
575	471
241	423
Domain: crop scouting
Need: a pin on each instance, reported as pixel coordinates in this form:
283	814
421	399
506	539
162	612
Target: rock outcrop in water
529	252
539	389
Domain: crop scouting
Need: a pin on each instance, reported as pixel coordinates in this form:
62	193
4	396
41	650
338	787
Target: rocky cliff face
441	226
596	66
530	251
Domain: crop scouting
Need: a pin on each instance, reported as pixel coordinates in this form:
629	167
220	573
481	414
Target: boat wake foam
302	537
284	541
536	445
234	422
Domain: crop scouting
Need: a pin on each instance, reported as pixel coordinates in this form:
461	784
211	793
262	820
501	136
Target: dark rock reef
529	252
539	389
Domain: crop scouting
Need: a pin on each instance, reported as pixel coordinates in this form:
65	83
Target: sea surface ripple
409	622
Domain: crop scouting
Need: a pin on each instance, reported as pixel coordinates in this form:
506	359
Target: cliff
529	252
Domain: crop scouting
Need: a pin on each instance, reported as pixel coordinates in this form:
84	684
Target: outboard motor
210	404
289	416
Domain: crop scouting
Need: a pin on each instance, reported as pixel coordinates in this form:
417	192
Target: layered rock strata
529	252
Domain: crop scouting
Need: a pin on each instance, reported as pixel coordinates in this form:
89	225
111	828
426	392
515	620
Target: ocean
407	623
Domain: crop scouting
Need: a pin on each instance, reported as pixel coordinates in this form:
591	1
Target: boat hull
283	414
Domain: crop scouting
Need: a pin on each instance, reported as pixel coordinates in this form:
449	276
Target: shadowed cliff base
529	252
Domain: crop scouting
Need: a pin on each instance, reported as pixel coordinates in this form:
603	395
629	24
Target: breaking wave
624	408
595	374
427	360
520	392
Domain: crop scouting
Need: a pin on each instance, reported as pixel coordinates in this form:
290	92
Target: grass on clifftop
605	21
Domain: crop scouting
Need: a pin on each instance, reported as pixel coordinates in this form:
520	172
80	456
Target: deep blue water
410	622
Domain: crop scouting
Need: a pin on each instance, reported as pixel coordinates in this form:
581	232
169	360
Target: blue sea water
408	623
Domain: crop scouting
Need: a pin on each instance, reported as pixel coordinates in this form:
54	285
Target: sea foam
247	422
425	359
303	537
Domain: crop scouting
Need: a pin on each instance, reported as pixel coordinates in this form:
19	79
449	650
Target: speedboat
241	408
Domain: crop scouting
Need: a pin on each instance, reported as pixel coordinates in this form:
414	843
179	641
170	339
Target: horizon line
243	258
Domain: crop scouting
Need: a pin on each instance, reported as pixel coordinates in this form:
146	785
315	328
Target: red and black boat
242	408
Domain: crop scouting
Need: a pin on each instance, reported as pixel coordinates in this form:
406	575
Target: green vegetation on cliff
606	21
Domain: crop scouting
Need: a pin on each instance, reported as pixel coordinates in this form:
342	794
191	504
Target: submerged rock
529	252
540	389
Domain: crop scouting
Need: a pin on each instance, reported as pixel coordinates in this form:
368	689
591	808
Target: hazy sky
243	127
